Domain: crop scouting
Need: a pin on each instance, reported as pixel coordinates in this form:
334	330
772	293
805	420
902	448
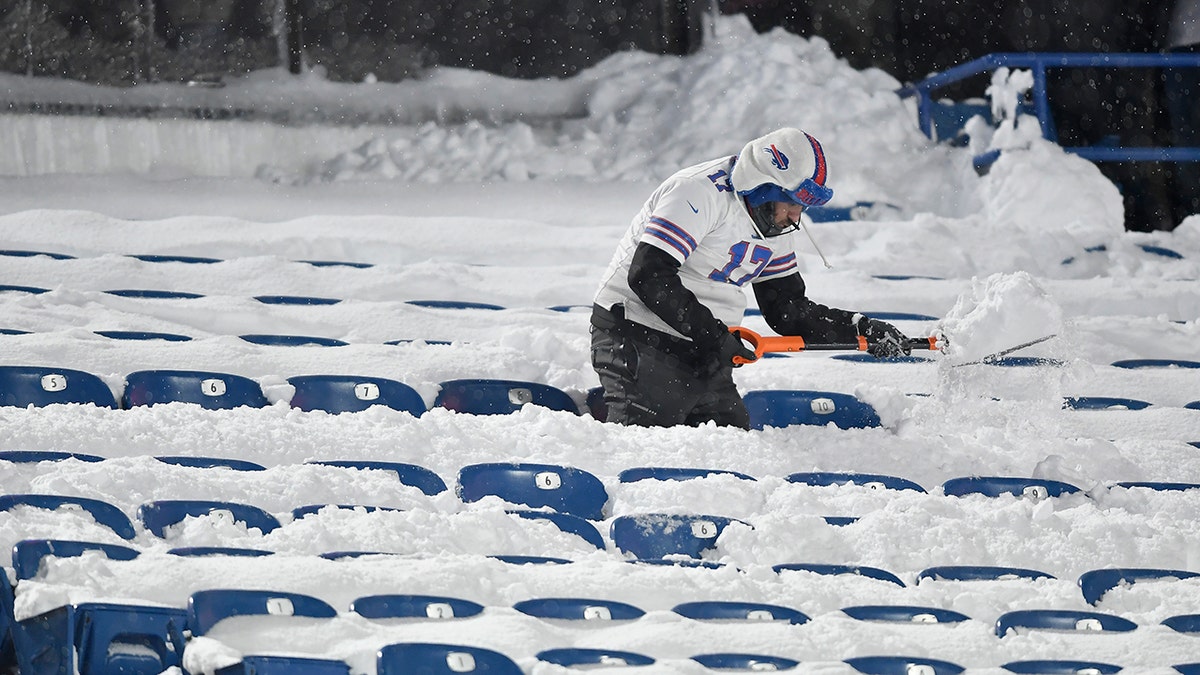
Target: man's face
787	214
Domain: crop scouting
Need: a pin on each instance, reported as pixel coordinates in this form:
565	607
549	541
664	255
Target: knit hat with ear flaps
784	165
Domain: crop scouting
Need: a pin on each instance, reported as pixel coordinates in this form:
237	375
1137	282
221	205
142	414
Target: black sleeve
654	278
788	311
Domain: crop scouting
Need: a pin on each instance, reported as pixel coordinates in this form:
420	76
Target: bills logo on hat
779	159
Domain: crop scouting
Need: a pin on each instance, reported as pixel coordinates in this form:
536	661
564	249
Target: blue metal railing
1038	63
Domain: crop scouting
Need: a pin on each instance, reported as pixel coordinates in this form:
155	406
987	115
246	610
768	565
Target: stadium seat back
157	516
422	658
104	513
784	408
285	665
102	639
562	488
28	554
500	397
214	391
347	393
209	607
414	607
579	609
37	386
654	536
419	477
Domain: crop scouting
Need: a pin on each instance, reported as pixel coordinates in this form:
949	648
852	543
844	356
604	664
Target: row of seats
39	386
49	642
577	492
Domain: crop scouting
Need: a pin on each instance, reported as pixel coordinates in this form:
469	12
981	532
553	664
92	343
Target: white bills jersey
698	219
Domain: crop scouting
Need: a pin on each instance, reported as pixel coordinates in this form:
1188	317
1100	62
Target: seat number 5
759	257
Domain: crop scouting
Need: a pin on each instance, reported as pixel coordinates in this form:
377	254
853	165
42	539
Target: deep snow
525	213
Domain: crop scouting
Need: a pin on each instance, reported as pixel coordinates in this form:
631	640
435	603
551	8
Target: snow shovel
762	344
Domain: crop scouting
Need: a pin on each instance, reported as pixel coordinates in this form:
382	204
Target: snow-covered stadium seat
565	522
637	473
723	610
99	638
414	607
295	300
205	462
1183	623
209	607
500	397
904	614
424	658
157	516
285	665
874	481
27	554
210	390
1061	620
1095	583
651	536
104	513
995	486
562	488
836	569
38	386
141	335
34	456
743	661
579	609
979	573
782	408
1060	666
1104	403
353	393
269	340
584	657
903	665
413	475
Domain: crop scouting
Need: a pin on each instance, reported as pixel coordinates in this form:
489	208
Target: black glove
720	355
883	339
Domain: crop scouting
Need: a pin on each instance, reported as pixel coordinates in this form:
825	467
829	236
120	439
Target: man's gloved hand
883	339
721	355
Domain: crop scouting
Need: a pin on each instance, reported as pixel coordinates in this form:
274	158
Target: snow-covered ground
524	214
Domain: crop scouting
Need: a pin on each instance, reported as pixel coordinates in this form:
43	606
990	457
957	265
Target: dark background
125	42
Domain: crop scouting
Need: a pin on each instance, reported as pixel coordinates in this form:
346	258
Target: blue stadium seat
874	481
833	570
530	560
152	294
351	393
1095	583
141	335
32	290
33	456
720	610
157	516
229	551
1188	668
562	488
211	390
292	340
674	473
104	513
659	535
1184	623
412	475
351	555
1061	620
1160	486
23	386
14	331
1156	363
295	300
1060	667
500	397
453	304
30	254
579	609
199	462
782	408
742	661
980	573
903	665
995	486
337	263
309	509
97	638
423	658
1192	405
567	523
207	608
27	554
285	665
904	614
414	607
1104	403
582	657
863	357
7	599
163	258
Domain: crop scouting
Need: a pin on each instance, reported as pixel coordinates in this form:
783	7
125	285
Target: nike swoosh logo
694	209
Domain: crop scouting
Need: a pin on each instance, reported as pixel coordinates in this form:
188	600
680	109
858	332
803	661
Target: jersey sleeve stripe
676	230
659	234
783	264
